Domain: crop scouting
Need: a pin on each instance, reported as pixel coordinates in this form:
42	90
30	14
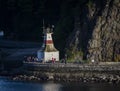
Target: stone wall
70	72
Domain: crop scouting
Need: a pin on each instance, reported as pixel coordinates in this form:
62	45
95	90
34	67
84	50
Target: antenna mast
43	27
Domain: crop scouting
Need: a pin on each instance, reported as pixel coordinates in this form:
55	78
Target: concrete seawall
72	66
70	72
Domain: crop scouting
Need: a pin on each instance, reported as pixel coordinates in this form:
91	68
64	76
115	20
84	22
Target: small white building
48	52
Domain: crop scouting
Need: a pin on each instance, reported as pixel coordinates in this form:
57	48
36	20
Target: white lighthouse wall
49	37
40	55
49	55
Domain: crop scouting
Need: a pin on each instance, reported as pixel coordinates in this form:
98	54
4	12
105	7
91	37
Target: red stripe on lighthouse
49	42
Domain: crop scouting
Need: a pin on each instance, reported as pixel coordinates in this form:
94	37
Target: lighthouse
48	52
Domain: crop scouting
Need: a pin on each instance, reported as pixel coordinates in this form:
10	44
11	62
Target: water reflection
51	87
7	85
104	87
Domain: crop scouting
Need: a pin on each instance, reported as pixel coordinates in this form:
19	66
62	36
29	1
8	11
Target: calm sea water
7	85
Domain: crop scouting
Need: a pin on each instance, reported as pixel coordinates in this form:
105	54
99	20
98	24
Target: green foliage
24	18
86	61
63	28
90	4
117	58
74	55
25	5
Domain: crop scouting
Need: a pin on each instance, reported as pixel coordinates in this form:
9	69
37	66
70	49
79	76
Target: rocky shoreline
94	78
102	73
70	73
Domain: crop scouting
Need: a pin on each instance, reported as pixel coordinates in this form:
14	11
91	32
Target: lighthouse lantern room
48	52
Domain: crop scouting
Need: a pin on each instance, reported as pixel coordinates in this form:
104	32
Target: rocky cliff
96	33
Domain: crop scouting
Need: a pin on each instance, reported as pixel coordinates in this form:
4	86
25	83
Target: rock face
105	42
97	31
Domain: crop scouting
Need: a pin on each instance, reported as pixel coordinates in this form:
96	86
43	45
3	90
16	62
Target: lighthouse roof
48	30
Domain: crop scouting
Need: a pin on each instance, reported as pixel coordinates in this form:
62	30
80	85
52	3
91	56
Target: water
7	85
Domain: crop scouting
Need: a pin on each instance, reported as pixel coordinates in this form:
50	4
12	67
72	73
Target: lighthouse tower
48	52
